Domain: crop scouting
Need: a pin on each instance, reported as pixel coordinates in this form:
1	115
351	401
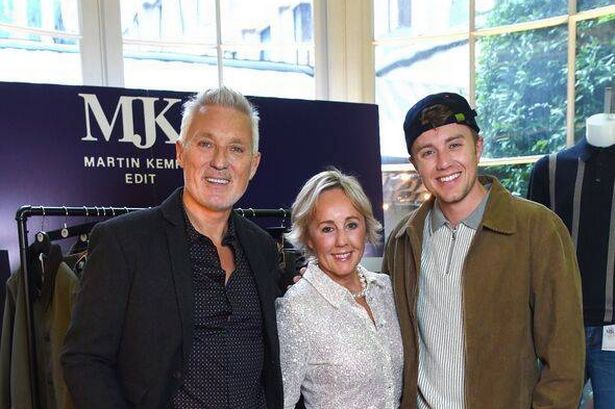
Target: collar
172	208
230	237
587	151
231	234
334	293
499	214
472	221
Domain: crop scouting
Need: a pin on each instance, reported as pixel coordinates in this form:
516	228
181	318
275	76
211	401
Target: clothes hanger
37	252
42	242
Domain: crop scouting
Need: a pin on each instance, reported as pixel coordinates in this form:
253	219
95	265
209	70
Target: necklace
363	281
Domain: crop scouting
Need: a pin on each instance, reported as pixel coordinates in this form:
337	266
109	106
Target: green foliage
590	4
514	177
521	84
522	80
520	11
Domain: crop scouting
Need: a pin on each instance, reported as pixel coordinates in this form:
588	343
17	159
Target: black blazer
132	325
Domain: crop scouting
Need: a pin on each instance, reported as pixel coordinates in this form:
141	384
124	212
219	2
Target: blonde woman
340	343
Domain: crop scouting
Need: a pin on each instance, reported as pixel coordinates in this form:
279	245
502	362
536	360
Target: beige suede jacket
523	325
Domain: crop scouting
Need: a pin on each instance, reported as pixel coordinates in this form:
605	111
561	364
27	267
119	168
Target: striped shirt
578	184
439	308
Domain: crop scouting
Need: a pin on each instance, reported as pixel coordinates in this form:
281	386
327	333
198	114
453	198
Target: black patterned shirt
226	362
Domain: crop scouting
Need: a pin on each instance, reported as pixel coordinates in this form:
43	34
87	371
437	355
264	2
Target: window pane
28	52
284	73
61	62
493	13
185	58
157	68
403	191
402	18
521	92
180	20
591	4
514	177
60	15
594	67
405	74
266	21
278	67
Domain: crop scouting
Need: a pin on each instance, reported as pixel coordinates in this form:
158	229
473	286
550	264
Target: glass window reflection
56	48
594	70
494	13
399	18
404	75
521	92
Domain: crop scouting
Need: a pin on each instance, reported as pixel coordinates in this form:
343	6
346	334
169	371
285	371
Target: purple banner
95	146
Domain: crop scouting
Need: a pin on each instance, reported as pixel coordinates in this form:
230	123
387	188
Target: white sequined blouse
332	352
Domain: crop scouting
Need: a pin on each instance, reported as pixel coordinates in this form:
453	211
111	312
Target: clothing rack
249	212
26	212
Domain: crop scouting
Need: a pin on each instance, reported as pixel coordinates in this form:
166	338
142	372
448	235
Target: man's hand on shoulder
299	276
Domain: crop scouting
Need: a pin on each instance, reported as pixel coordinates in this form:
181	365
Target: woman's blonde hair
305	205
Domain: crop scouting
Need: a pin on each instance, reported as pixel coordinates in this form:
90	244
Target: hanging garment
76	262
5	272
51	312
578	184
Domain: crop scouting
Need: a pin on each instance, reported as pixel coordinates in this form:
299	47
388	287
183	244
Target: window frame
342	45
472	34
344	49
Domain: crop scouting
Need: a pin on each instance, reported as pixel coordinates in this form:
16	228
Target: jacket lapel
414	234
179	256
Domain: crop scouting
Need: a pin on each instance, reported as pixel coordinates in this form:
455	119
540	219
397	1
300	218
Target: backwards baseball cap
461	114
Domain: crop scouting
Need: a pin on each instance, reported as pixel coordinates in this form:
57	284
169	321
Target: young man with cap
486	284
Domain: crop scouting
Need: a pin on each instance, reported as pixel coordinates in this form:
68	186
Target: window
534	69
495	13
262	48
169	45
303	23
595	59
521	91
39	41
409	72
583	5
512	59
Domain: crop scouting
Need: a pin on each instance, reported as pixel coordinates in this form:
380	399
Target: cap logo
460	117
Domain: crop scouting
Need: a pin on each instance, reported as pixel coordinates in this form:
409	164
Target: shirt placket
376	330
